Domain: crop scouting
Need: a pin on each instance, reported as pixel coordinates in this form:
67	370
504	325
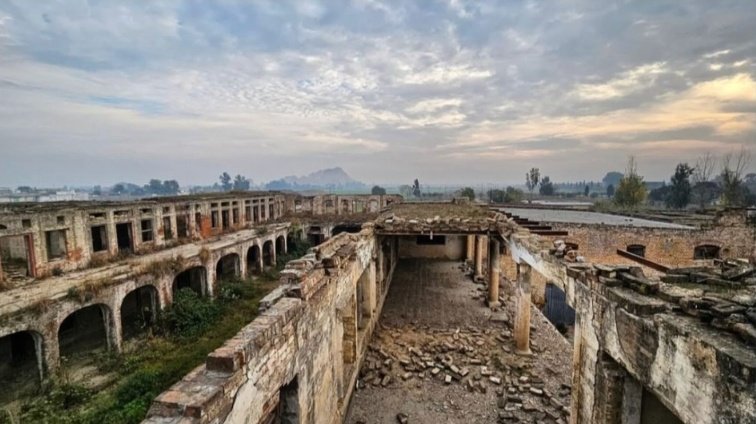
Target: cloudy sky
446	91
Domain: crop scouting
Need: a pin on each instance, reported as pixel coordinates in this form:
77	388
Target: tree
679	191
154	187
416	188
378	191
97	190
703	190
467	192
734	191
225	181
119	189
612	178
170	187
513	195
532	178
241	182
586	191
660	194
547	187
610	191
631	191
496	195
24	189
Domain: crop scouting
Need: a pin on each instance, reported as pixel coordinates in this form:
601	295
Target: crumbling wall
306	334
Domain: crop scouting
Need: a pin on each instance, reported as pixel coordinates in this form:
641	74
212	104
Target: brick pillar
479	248
522	312
470	254
494	267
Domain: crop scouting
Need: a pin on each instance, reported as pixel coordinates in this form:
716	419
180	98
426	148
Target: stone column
479	248
470	254
538	289
494	267
522	312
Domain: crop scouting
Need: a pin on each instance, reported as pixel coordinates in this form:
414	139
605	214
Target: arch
85	330
637	249
194	278
269	255
280	245
21	364
227	267
139	311
706	251
253	260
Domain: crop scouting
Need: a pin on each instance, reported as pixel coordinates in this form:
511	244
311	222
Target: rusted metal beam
643	261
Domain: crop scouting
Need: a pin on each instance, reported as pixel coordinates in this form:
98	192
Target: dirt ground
439	355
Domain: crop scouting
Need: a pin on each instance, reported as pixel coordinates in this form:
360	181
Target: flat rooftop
585	217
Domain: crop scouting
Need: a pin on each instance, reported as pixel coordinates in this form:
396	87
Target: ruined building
402	312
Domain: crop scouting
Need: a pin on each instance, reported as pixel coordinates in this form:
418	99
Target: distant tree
154	187
170	187
660	194
679	191
610	191
377	191
631	191
704	190
241	182
547	187
513	195
734	191
405	190
119	189
467	192
586	191
496	195
97	190
532	178
225	182
612	178
24	189
416	188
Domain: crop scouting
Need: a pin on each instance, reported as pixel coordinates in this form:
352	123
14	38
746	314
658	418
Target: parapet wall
301	355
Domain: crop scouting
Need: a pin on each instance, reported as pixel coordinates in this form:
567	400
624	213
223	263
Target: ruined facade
649	346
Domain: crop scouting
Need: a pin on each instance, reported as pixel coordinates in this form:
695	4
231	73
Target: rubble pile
562	251
479	362
723	296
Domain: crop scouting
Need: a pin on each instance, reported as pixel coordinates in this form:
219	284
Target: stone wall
731	232
314	332
453	248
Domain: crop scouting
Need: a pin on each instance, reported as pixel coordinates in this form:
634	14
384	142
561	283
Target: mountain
332	178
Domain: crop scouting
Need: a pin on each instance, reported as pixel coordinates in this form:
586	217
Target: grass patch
188	331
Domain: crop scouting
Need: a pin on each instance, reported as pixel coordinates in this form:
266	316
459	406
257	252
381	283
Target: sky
453	91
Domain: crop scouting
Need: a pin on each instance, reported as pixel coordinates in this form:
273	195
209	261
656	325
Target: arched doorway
85	330
21	364
139	311
227	267
253	260
280	245
193	278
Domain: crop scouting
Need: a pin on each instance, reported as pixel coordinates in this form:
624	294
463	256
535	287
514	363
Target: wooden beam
643	261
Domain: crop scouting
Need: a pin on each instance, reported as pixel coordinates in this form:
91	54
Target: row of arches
93	327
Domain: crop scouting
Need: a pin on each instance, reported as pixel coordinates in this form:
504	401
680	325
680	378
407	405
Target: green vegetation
468	192
632	190
187	331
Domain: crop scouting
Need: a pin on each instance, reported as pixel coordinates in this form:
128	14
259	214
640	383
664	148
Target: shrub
189	314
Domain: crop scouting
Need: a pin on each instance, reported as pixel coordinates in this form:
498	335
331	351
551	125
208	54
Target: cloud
392	90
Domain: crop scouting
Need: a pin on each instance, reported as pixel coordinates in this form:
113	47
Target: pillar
470	255
538	290
522	312
479	249
370	295
494	267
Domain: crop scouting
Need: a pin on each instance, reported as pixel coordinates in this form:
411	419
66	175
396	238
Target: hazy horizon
450	92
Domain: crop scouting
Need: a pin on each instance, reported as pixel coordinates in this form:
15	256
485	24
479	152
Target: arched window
706	251
637	249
